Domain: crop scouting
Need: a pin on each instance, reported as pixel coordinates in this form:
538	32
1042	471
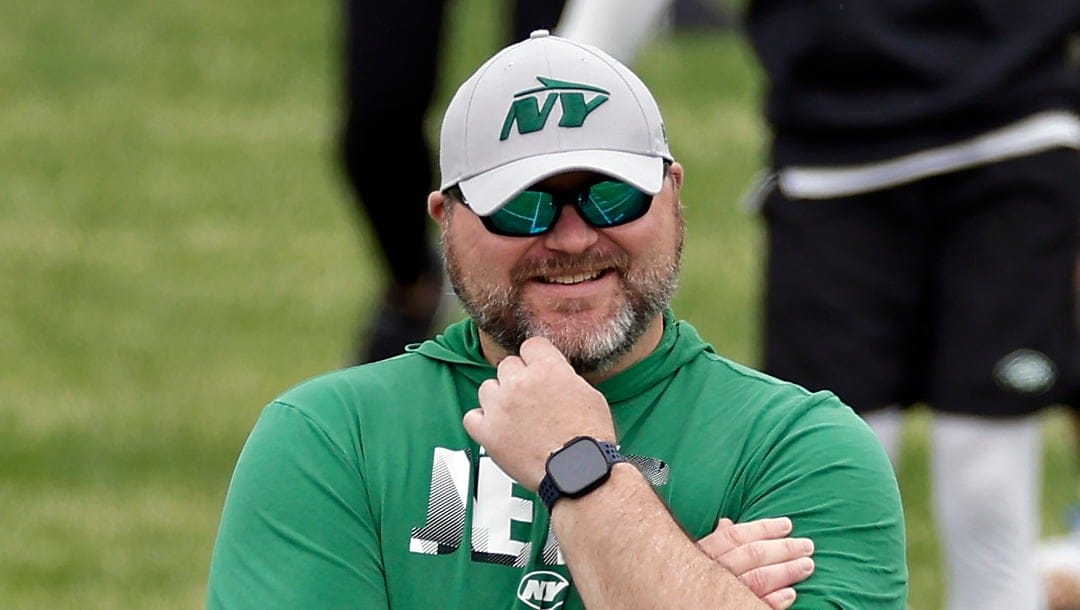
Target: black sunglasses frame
561	199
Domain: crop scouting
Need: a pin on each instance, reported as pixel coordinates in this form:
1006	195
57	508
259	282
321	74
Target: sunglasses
534	212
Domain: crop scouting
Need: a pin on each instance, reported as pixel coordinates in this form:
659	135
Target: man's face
592	292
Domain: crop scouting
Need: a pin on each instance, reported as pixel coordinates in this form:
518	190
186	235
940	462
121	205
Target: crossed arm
625	551
621	544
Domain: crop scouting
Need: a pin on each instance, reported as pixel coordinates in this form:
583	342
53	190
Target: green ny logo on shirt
530	116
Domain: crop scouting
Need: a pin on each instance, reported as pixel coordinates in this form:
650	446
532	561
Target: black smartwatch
582	465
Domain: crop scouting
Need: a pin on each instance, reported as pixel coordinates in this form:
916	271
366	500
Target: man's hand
762	556
535	405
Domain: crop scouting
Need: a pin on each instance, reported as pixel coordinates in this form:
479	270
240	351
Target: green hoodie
360	488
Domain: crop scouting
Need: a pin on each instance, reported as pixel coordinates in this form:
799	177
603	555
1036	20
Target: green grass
177	247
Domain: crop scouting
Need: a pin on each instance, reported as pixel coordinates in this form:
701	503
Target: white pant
987	487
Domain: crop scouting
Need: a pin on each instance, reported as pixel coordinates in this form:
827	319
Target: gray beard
502	314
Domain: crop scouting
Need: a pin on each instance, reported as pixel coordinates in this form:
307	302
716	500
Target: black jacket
853	81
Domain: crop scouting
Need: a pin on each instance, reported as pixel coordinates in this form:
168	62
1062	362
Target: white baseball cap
544	106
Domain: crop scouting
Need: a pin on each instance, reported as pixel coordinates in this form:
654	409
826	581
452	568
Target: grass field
177	247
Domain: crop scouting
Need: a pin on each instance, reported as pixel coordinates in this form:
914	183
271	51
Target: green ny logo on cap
530	116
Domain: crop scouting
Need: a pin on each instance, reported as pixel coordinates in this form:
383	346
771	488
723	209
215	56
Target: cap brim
492	189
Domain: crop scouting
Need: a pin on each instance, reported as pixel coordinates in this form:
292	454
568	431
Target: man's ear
437	204
675	170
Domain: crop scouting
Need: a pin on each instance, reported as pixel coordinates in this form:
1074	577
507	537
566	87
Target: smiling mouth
571	278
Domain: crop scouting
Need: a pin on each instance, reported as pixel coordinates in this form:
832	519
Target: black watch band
580	466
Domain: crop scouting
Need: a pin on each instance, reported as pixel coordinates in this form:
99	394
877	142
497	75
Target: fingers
488	395
780	600
473	423
509	366
533	405
770	581
762	556
487	392
761	553
728	535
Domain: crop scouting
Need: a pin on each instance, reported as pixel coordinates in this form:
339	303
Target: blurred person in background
922	217
391	61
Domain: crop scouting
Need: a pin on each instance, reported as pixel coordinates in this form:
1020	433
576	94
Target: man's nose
571	233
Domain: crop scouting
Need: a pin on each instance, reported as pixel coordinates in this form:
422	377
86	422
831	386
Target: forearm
625	551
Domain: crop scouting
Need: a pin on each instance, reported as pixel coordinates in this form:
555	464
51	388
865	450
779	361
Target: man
567	445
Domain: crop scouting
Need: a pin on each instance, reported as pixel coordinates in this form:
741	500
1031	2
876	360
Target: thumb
538	348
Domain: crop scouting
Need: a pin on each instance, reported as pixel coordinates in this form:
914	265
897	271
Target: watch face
577	467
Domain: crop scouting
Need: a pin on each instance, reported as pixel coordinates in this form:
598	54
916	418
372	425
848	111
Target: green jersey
360	489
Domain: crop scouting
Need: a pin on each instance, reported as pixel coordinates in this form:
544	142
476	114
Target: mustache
569	264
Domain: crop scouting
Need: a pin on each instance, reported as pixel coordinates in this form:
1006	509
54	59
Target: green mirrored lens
530	213
612	203
604	204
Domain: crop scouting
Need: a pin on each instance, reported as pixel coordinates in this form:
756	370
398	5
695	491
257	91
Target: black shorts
956	291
